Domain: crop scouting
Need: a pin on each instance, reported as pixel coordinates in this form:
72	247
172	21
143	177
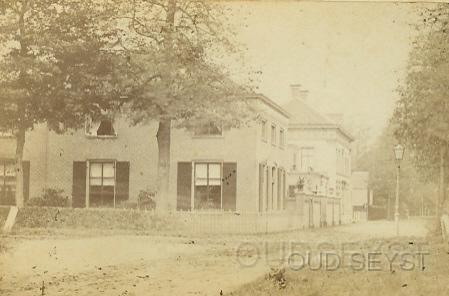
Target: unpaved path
150	265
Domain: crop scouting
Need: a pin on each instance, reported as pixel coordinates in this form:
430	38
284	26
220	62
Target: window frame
88	126
89	178
194	182
273	134
310	156
264	132
281	138
3	183
295	160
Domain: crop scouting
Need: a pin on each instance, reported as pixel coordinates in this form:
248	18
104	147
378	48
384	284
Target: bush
50	198
96	218
146	200
127	205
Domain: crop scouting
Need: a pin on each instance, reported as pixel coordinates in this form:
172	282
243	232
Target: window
102	184
207	186
273	186
6	133
264	130
281	138
100	128
307	158
209	129
295	161
7	183
339	189
273	134
106	128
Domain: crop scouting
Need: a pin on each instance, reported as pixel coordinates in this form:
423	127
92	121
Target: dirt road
139	265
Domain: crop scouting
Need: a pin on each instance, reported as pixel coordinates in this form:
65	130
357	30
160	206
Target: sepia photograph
224	147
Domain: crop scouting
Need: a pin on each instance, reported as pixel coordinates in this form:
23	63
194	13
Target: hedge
74	218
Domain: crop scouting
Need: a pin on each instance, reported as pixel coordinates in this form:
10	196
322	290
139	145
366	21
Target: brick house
93	169
109	162
240	170
320	159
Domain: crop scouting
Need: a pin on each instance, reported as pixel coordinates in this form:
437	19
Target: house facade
93	170
241	170
320	160
109	162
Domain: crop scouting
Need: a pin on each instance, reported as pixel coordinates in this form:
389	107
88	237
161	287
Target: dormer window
103	128
106	128
209	129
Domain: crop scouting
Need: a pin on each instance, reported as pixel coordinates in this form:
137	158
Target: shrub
146	200
96	218
50	198
127	205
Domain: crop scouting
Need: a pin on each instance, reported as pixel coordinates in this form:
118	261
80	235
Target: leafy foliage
146	200
50	198
57	68
421	113
379	161
170	72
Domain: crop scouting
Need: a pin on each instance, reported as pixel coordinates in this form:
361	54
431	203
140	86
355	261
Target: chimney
337	118
298	93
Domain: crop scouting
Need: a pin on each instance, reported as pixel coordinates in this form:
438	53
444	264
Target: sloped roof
301	113
304	116
267	101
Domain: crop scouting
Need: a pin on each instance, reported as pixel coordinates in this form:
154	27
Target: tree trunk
163	143
164	129
20	143
20	133
441	187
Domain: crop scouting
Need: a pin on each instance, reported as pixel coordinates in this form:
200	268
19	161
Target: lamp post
398	154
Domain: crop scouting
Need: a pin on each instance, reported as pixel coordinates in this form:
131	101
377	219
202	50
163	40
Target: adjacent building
320	159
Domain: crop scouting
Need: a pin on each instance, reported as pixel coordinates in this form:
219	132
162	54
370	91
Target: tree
56	67
379	161
421	112
171	76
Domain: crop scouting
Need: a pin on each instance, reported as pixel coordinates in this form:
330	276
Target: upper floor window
209	129
264	130
100	128
295	161
281	138
307	158
273	134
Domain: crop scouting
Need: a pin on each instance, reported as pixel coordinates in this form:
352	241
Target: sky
350	56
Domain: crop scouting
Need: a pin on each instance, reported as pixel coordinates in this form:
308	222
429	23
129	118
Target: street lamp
398	155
